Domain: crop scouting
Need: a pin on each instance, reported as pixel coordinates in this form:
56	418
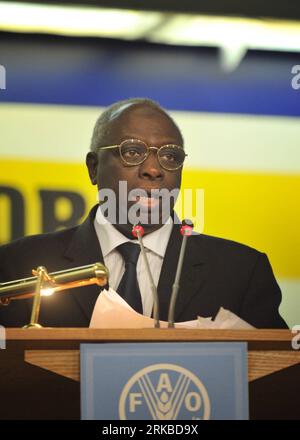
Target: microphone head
186	227
138	231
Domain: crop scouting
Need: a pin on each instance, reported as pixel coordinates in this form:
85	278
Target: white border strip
213	141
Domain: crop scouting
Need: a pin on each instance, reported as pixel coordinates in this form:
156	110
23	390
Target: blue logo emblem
164	392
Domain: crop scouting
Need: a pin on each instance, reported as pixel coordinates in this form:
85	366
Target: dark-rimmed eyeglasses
134	152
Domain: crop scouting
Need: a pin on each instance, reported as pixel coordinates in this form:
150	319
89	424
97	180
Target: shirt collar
110	238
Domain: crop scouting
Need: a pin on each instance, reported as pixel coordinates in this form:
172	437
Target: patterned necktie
128	287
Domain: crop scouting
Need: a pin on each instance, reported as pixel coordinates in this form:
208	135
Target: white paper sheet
111	311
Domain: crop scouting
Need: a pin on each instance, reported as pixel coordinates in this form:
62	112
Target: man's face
155	129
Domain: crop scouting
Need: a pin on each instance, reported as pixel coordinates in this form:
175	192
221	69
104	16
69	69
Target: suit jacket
216	272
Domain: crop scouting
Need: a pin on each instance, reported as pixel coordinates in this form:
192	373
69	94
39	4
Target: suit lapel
84	248
192	276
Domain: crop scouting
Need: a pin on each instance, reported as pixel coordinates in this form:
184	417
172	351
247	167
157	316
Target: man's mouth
147	202
150	200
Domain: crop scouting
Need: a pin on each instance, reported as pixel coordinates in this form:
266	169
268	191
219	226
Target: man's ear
92	164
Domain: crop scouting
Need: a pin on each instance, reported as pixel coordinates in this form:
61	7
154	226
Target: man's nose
150	168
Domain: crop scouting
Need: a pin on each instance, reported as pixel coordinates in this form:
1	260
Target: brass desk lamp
44	283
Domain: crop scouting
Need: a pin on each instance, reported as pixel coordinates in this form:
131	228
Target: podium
40	368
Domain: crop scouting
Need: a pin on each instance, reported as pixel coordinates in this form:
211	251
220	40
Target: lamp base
33	325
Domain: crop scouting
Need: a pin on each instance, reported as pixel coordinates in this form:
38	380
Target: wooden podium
40	368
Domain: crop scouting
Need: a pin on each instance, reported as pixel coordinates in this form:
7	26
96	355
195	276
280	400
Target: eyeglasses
134	152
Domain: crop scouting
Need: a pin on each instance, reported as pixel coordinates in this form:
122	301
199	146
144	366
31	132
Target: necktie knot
130	252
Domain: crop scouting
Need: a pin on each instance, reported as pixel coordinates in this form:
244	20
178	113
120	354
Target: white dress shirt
155	245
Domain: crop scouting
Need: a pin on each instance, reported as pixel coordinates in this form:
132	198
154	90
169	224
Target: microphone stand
186	230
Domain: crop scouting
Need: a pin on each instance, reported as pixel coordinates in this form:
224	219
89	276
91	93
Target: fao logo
164	392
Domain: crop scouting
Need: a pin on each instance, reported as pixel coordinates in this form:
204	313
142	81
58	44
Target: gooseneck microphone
185	230
138	232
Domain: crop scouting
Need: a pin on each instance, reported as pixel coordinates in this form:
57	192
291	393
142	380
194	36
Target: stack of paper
111	311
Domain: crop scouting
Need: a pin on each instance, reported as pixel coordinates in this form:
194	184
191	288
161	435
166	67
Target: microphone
138	232
185	230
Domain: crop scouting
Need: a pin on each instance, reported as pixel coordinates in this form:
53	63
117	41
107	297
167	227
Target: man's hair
103	123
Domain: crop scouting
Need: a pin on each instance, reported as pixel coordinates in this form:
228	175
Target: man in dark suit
136	141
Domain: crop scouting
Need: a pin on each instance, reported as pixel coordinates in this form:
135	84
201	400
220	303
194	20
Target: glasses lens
133	151
171	156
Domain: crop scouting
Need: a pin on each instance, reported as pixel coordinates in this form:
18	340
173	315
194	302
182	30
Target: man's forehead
116	113
134	109
134	113
139	120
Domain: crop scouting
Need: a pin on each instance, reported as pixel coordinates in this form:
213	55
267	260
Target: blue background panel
97	72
